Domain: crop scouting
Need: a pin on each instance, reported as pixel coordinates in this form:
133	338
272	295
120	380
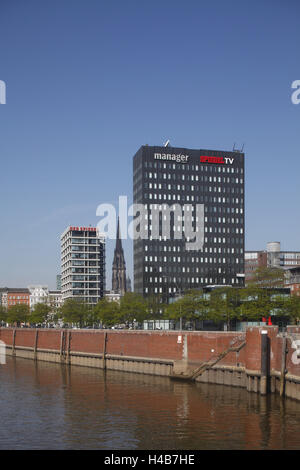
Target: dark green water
48	406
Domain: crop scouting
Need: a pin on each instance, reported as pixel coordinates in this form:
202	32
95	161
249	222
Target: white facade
113	296
4	299
38	294
82	264
55	299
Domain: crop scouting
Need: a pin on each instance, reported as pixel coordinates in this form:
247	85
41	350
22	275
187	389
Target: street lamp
179	292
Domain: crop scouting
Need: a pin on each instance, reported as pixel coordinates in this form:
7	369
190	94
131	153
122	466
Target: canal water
49	406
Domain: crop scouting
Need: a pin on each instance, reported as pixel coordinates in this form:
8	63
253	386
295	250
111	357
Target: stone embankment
261	359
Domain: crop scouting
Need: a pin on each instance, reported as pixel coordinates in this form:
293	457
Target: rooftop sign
82	229
218	160
178	158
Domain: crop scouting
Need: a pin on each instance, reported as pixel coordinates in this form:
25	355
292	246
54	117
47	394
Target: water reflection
49	406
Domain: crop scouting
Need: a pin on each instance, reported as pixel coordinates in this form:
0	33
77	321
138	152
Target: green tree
75	311
216	306
191	307
258	302
40	313
174	310
18	314
91	316
3	314
260	298
225	305
250	306
267	277
155	307
133	307
291	308
107	312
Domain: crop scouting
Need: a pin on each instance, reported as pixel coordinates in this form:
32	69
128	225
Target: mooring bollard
283	366
104	351
14	342
69	347
35	344
264	363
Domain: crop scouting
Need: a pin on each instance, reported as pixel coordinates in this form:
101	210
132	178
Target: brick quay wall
231	358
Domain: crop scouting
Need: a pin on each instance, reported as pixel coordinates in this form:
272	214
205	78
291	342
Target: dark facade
119	266
128	284
58	282
215	179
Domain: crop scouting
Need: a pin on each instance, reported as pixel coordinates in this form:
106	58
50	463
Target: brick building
13	296
292	280
272	257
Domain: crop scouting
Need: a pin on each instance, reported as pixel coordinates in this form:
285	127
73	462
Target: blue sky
89	82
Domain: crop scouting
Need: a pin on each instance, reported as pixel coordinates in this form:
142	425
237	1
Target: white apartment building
113	296
82	264
41	294
38	294
55	299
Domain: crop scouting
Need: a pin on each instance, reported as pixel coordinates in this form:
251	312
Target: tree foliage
3	314
191	307
291	308
225	305
75	311
155	308
133	307
107	312
267	277
40	313
18	314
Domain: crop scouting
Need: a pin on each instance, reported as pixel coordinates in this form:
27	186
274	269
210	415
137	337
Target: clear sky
90	81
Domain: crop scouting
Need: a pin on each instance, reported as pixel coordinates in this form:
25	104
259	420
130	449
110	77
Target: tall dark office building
210	184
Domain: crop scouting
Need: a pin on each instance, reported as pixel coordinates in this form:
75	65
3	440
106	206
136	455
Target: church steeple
119	266
118	242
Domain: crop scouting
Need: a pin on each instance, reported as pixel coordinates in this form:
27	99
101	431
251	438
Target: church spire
119	266
118	242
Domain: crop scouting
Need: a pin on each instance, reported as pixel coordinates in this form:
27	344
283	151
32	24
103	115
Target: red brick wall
253	347
204	346
160	345
6	335
173	345
87	341
48	339
25	337
292	367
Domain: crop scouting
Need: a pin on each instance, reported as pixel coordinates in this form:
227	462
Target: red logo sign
204	159
218	160
81	229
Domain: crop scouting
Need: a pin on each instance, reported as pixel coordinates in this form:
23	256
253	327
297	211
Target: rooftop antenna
166	144
237	150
